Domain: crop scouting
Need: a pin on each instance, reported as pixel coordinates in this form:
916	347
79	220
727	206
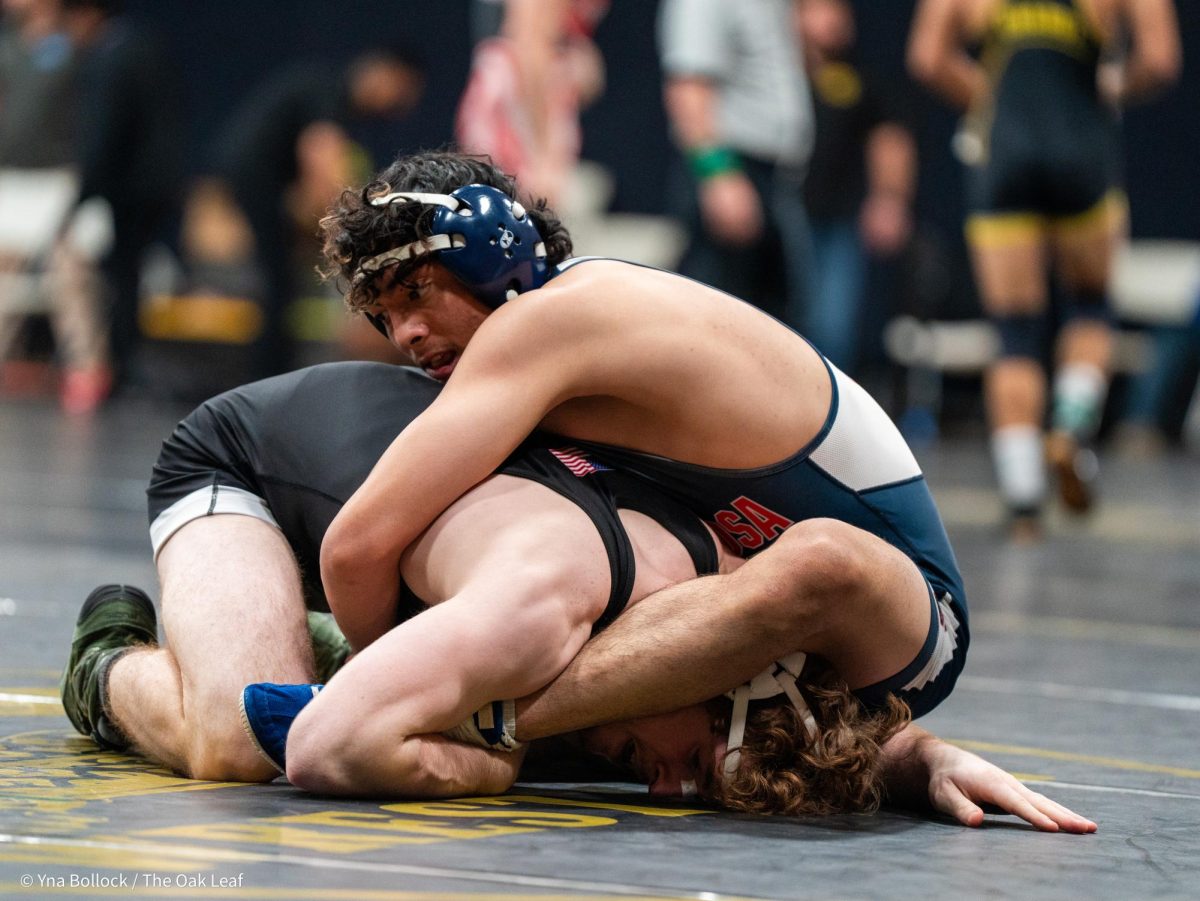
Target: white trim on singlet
208	501
575	261
943	651
863	448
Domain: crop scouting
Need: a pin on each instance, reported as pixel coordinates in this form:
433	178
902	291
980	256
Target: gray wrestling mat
1082	679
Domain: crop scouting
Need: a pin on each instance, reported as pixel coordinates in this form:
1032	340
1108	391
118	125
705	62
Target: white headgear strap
449	201
372	265
778	678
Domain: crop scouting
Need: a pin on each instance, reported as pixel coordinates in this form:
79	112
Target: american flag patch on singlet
575	460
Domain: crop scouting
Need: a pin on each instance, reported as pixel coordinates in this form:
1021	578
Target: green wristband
710	161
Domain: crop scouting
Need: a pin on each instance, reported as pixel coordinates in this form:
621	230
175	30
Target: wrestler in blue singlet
859	470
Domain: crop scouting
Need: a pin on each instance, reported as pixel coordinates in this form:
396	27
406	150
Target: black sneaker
113	620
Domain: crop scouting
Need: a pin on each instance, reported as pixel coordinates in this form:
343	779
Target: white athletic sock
1079	392
1020	466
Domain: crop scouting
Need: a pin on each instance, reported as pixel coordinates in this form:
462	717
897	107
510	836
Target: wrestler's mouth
440	365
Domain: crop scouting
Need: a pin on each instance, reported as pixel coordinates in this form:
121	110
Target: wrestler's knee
826	555
811	564
223	752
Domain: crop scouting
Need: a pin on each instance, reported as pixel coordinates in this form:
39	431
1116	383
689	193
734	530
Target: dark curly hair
354	230
780	772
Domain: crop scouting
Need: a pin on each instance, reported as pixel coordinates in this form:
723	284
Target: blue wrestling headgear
485	238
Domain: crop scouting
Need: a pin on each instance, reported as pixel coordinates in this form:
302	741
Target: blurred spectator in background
44	265
1160	398
285	153
131	152
860	181
1041	138
534	67
37	71
738	102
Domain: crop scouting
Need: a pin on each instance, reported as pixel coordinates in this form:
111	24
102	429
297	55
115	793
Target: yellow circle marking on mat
59	768
342	832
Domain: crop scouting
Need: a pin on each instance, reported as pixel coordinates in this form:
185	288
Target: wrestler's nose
409	330
673	781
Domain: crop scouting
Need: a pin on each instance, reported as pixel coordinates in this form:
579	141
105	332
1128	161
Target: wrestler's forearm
375	728
680	646
347	589
430	766
441	455
435	767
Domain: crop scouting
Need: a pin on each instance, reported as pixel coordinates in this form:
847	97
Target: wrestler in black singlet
305	441
1050	143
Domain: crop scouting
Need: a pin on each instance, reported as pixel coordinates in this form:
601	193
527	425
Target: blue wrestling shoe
268	711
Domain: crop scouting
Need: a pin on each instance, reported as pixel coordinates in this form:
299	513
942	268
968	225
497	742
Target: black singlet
305	441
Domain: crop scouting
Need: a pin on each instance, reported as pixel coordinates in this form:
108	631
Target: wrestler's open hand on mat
959	782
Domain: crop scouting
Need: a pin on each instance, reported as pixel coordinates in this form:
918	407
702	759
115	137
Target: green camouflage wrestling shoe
330	648
114	619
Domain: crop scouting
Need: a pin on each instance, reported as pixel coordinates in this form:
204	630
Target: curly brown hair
840	772
355	230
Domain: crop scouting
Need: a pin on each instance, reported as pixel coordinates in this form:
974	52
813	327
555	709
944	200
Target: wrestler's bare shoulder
631	287
662	363
635	302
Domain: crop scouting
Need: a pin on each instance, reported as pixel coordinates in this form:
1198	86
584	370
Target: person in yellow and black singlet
1041	138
